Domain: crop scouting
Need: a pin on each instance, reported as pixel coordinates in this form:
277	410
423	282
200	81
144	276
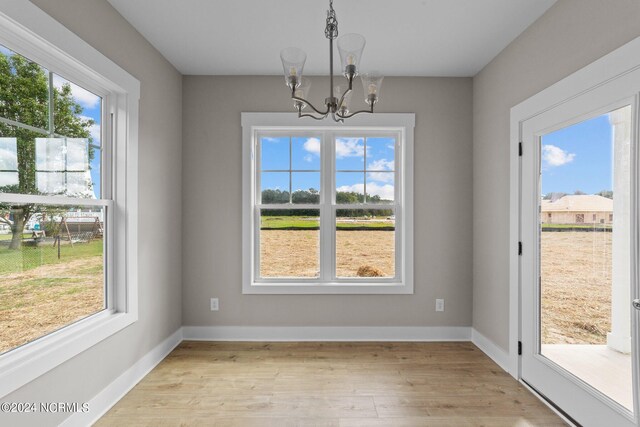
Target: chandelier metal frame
335	106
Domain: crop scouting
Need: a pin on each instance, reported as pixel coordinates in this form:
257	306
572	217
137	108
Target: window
67	201
579	218
52	254
327	209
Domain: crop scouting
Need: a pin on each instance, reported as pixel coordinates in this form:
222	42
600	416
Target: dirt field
287	253
576	282
36	302
576	287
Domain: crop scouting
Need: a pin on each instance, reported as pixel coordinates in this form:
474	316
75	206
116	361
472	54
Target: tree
553	196
579	193
24	98
605	193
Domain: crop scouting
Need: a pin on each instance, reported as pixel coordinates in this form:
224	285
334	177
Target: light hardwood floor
329	384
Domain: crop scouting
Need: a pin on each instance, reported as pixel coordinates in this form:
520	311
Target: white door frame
616	64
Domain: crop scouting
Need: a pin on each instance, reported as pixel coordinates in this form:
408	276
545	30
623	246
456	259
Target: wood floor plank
328	384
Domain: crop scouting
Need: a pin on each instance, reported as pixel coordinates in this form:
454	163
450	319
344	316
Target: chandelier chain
331	30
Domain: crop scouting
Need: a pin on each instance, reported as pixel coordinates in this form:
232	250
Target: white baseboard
496	353
108	397
326	333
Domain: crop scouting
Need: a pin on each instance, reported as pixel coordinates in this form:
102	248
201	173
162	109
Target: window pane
8	162
289	243
365	243
274	153
43	286
274	187
380	187
24	93
96	167
48	166
380	154
62	167
306	187
305	153
349	153
585	251
349	187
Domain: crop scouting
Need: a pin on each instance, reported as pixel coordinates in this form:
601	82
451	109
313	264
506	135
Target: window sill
293	288
26	363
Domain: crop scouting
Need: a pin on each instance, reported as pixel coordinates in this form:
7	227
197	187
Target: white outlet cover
214	304
439	305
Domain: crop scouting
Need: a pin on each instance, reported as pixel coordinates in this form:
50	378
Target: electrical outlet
439	305
214	304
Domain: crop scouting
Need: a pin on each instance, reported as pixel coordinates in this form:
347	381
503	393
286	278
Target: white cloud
384	191
271	139
381	176
349	147
556	156
82	96
381	165
312	145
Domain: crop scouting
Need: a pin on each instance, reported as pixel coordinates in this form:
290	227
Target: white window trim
25	28
252	123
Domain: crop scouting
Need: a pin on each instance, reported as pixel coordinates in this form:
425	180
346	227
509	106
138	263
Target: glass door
577	285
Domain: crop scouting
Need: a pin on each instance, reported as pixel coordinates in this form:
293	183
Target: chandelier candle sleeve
350	47
371	83
302	91
293	60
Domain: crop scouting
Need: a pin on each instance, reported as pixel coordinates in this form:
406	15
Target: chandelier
350	47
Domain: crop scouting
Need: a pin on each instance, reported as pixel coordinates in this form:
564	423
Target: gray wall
212	177
160	165
569	36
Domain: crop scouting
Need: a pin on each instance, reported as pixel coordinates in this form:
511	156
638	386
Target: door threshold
555	408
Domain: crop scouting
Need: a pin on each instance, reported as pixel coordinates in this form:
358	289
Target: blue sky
92	107
304	156
578	157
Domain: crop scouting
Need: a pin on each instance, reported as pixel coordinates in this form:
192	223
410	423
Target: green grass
289	223
27	258
577	226
310	223
8	236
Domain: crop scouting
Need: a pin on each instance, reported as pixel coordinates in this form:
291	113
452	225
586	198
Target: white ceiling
404	37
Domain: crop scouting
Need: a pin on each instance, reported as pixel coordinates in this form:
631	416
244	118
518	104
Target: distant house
577	209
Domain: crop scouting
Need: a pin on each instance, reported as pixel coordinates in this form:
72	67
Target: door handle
636	304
